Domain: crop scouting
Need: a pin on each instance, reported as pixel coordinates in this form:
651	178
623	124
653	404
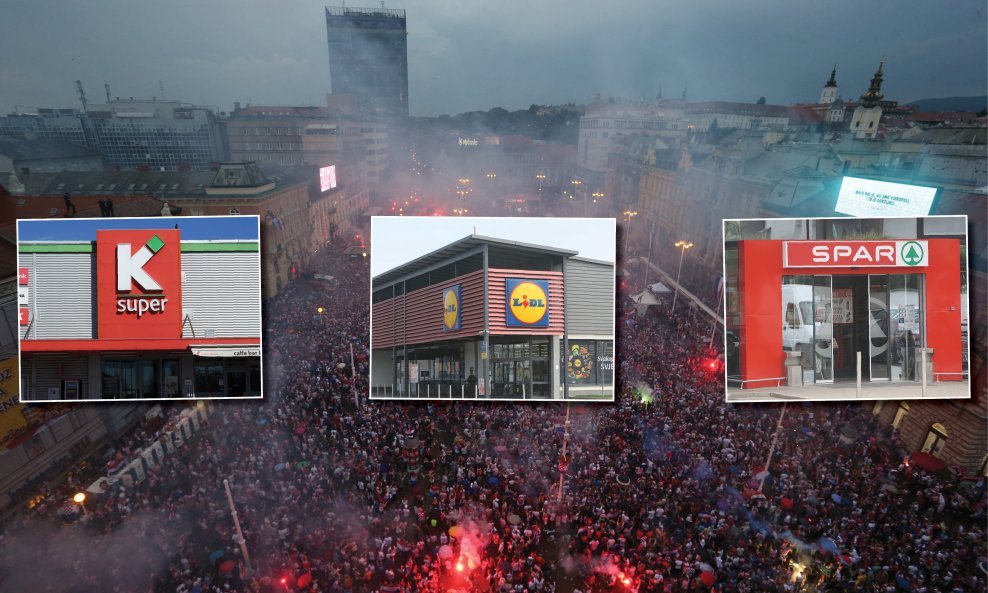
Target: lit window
936	439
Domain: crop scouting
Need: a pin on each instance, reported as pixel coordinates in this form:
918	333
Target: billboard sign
327	178
867	197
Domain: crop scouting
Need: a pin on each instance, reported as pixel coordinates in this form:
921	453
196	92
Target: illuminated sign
23	276
451	308
842	254
528	302
867	197
139	283
24	315
468	142
327	178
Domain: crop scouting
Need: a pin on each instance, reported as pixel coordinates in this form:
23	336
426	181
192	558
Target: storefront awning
226	351
141	345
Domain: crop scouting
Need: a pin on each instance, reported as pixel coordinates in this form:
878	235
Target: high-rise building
157	134
368	58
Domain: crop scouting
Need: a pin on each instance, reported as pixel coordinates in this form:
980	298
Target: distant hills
974	104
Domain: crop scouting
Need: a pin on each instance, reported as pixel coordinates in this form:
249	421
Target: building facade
604	123
492	319
368	58
139	314
130	134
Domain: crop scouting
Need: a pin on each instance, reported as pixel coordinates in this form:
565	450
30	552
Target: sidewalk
848	392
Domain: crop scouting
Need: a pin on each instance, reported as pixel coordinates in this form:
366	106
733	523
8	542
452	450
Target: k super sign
139	283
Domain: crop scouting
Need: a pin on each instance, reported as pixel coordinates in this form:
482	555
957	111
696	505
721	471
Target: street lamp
541	178
80	499
683	246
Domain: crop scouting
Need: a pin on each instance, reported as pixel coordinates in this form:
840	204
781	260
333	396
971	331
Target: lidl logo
912	253
528	303
451	308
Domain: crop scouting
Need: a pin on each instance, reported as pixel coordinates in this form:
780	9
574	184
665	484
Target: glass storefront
438	371
520	368
227	377
830	319
589	362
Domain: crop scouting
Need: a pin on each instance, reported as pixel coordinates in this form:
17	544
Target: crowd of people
668	489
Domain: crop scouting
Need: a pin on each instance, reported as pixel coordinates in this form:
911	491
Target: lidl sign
139	283
527	302
842	254
451	308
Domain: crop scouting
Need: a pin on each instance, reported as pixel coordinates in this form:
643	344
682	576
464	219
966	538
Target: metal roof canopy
454	251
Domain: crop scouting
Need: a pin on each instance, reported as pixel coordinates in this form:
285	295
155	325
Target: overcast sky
194	228
466	55
396	240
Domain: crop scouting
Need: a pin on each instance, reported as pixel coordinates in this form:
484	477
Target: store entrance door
851	320
236	383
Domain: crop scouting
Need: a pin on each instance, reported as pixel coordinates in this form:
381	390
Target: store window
590	362
209	378
901	413
34	447
129	379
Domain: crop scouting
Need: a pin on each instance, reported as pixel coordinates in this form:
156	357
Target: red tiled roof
804	115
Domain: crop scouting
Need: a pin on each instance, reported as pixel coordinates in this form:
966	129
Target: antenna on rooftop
161	87
106	86
82	93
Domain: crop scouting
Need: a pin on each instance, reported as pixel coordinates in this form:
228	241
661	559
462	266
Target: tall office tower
368	58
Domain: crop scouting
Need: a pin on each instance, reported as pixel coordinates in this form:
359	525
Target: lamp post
597	196
239	537
541	178
629	215
683	246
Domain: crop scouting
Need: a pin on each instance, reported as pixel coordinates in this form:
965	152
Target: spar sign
847	254
139	283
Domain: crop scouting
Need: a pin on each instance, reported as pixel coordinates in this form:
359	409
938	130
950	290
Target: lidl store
494	319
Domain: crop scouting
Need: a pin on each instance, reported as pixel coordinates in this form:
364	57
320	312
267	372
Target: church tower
864	123
829	93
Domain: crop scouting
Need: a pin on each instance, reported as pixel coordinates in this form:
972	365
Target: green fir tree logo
912	253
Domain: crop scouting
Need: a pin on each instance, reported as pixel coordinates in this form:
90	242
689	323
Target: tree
761	101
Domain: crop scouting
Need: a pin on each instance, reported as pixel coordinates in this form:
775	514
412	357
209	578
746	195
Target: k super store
139	314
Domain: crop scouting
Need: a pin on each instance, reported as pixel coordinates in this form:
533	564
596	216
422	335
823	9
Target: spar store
820	303
140	313
527	322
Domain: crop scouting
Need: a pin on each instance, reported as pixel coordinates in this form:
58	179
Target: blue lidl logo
528	302
451	308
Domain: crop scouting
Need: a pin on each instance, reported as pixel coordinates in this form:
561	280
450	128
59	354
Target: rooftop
28	150
460	247
163	184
